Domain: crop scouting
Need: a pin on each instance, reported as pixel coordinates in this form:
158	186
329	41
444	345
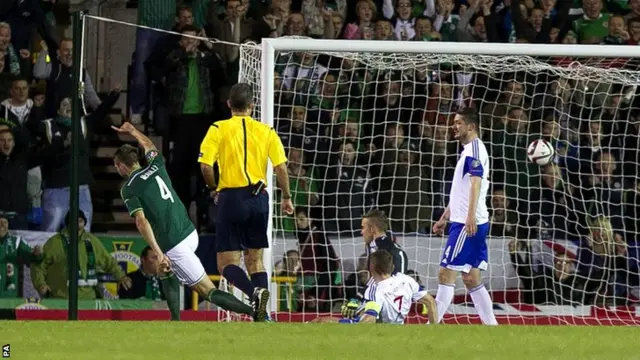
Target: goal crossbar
453	48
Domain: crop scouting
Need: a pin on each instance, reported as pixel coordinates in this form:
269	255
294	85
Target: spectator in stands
192	102
355	284
14	252
513	95
438	162
554	212
56	133
511	141
157	14
302	74
634	31
50	277
592	28
504	219
347	192
604	192
441	106
338	25
290	264
483	28
319	17
446	22
295	25
634	6
362	28
156	73
388	109
22	16
144	282
6	78
20	113
402	20
535	28
235	28
296	134
404	193
15	162
618	35
320	264
17	60
304	191
601	262
555	283
394	144
383	30
59	75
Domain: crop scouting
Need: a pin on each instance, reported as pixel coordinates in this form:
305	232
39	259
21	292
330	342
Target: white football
540	152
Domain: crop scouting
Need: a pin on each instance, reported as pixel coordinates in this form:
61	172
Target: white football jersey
474	158
392	298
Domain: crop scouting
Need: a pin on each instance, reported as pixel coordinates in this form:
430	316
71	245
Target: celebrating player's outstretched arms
388	297
466	248
164	224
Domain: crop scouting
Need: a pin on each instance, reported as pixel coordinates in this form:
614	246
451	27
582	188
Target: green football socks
228	302
171	288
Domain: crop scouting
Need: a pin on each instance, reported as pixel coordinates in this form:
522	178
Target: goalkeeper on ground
388	298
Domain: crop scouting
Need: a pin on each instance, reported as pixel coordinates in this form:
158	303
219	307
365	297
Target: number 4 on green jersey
149	189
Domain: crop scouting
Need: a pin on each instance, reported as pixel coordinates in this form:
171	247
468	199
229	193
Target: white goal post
492	58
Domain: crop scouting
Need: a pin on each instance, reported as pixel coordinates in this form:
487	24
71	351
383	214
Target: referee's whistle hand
287	206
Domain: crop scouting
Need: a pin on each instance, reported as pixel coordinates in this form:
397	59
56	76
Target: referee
242	147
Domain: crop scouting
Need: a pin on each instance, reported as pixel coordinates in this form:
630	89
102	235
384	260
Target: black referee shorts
242	219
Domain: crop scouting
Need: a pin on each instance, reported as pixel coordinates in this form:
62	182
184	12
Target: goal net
367	130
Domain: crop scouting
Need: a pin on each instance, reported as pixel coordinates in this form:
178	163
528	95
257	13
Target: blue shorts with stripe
462	252
241	220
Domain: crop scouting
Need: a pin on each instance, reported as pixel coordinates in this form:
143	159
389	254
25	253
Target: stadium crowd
360	132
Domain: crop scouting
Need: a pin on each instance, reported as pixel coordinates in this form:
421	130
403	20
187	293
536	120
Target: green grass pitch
200	340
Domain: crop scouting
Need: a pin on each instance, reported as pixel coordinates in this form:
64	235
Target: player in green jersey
164	224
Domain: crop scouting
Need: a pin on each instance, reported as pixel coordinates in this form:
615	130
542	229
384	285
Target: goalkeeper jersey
587	28
390	300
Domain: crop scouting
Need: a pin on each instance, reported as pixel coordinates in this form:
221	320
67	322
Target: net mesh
372	130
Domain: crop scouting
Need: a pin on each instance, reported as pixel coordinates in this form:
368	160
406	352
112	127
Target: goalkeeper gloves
349	309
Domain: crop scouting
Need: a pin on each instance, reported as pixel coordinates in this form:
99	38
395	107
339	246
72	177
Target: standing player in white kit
466	248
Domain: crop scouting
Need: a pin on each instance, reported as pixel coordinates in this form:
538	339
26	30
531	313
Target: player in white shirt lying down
388	298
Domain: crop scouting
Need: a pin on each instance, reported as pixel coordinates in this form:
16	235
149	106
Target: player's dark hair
127	154
381	262
470	117
378	219
240	97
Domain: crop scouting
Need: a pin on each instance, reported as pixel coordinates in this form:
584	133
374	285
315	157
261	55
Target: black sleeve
175	59
137	289
103	110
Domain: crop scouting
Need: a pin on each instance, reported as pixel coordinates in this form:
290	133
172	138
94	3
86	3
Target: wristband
286	197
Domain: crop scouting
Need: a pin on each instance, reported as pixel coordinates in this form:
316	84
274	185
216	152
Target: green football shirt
149	189
587	29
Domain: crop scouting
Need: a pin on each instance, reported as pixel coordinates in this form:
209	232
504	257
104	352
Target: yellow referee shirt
241	146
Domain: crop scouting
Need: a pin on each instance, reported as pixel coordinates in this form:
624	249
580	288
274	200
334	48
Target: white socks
444	296
483	304
479	295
